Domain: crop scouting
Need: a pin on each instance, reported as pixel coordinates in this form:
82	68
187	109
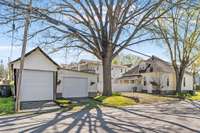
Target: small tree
101	27
127	59
180	30
2	69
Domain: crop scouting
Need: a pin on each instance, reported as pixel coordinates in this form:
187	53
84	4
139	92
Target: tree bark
179	80
107	84
107	79
194	79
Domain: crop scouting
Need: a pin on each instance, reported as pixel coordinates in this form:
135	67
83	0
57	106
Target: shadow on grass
92	118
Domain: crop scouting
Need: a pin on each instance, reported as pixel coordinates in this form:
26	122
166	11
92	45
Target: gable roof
32	51
158	65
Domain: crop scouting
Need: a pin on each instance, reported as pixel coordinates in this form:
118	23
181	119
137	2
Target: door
37	85
75	87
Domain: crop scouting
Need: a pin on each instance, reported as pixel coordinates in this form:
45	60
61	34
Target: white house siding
188	82
150	77
69	73
123	87
163	79
37	61
158	77
116	72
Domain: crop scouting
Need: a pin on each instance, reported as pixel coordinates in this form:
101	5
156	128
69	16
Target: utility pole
25	40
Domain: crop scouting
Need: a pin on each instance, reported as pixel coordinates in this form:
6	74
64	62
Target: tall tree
101	27
180	30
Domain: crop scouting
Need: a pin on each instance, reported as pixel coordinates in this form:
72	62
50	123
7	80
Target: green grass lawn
145	98
6	105
196	97
115	101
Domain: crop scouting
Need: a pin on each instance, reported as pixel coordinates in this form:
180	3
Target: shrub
116	94
183	95
198	87
63	102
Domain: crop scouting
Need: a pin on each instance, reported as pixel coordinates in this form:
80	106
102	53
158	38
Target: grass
144	98
6	106
190	96
196	97
72	105
63	102
115	101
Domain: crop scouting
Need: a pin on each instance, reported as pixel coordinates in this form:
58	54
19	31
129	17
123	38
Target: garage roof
30	52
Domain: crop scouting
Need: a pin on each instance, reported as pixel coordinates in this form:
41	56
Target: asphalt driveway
171	117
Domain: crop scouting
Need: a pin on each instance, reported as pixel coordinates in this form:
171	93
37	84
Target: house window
132	81
145	82
126	81
121	70
184	83
167	81
97	79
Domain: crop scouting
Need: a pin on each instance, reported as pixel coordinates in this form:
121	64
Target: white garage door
37	85
75	87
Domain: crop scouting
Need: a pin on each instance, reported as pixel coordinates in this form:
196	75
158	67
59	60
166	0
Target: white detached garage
43	79
38	78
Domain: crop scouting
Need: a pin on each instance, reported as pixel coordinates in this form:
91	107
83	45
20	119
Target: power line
138	52
13	31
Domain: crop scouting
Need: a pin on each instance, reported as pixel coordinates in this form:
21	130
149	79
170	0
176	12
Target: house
96	67
44	80
154	75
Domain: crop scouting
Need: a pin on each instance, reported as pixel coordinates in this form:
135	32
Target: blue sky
148	48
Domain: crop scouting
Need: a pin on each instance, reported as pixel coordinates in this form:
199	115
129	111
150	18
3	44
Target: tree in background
101	27
126	59
195	69
180	30
2	72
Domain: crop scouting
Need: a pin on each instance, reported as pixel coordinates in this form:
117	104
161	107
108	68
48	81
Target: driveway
171	117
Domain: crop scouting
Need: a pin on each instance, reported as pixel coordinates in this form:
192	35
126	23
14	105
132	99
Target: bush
63	102
198	87
183	95
116	94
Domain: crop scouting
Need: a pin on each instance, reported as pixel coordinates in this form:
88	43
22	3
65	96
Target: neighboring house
197	79
96	67
43	79
72	66
154	75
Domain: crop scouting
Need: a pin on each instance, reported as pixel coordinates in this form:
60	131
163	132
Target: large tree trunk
179	80
107	82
